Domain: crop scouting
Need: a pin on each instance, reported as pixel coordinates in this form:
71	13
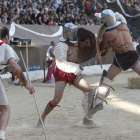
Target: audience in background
133	3
53	12
44	12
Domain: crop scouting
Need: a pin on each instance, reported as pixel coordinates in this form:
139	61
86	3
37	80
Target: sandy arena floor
120	120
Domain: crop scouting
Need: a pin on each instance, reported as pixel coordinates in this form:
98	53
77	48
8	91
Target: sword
87	62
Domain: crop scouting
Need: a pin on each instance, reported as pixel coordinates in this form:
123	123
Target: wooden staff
44	65
34	97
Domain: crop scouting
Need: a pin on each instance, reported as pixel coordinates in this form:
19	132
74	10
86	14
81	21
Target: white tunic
6	52
48	54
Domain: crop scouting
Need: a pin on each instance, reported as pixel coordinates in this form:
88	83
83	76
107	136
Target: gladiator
8	57
116	36
68	70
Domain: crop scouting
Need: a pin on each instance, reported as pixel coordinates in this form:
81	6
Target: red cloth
88	6
1	43
63	76
50	70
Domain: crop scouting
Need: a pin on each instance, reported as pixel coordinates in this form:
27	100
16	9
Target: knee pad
88	103
103	90
2	134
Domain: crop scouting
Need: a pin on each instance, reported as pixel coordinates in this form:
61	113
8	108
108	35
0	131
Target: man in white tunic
8	57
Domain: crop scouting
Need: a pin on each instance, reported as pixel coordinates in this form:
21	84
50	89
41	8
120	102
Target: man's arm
104	45
18	72
40	20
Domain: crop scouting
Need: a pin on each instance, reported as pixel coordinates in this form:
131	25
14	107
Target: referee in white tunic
8	57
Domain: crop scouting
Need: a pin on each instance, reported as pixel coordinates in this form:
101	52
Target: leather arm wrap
21	77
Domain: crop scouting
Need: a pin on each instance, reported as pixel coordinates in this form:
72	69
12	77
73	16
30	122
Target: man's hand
30	88
87	41
104	52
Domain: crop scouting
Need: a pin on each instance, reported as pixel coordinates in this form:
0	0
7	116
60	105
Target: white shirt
58	1
6	52
48	54
135	44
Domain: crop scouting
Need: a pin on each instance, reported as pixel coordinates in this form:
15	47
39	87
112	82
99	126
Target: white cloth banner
118	2
13	25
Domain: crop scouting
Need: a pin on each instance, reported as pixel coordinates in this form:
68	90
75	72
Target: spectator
58	1
67	19
3	20
44	7
56	5
45	20
76	8
25	19
9	20
31	7
95	7
40	17
23	3
87	7
15	3
35	4
50	58
51	20
52	10
20	8
33	17
60	9
61	21
105	6
4	7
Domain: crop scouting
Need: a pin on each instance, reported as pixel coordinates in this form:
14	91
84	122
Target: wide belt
128	46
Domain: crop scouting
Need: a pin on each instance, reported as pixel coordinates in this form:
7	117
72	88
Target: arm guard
61	60
120	17
21	77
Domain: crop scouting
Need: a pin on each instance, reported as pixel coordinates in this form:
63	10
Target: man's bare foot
39	124
89	123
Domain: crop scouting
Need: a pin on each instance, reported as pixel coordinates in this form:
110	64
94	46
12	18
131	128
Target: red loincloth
63	76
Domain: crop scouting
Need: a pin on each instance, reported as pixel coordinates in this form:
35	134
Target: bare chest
72	55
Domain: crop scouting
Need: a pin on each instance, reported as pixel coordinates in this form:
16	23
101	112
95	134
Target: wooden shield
85	53
98	41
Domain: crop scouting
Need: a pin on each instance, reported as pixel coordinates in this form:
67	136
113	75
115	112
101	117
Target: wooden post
44	65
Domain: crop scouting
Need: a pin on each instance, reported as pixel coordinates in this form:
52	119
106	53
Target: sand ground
120	120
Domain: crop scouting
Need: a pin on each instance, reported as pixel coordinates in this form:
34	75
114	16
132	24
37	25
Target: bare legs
4	116
136	68
82	84
59	89
113	72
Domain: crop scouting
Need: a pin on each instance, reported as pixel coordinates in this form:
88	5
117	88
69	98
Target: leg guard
2	134
103	90
89	103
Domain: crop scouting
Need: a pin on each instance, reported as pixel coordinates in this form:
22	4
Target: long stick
34	97
44	65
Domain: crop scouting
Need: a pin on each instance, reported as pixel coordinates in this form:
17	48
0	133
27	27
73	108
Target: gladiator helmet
108	18
70	32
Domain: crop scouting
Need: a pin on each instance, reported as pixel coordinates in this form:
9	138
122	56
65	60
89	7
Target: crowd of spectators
49	12
133	3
